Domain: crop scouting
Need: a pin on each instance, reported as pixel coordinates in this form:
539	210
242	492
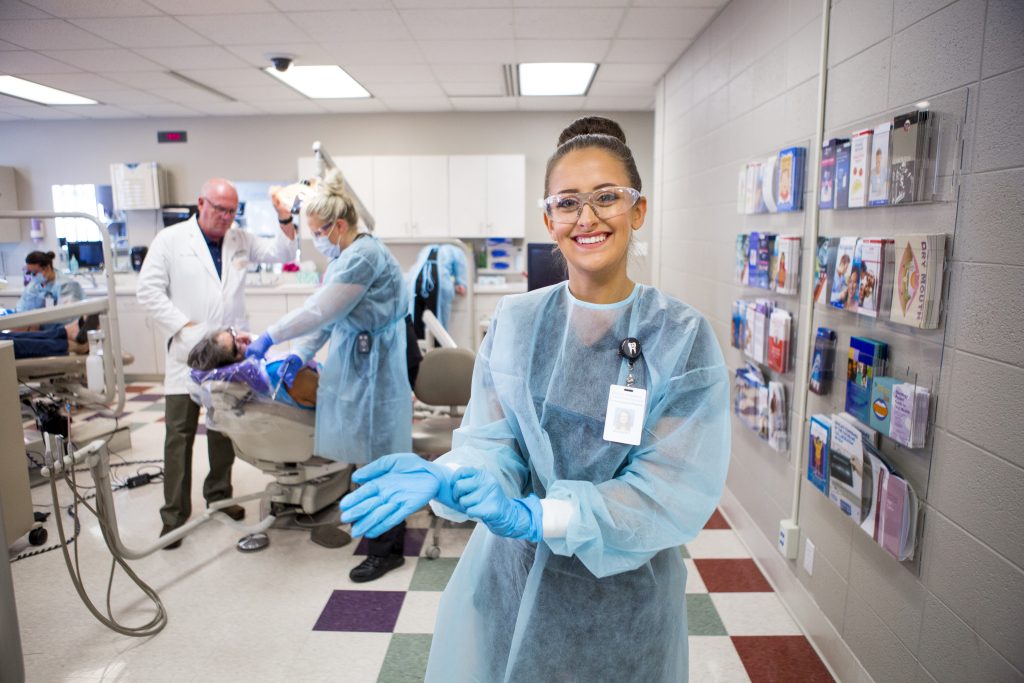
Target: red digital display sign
172	136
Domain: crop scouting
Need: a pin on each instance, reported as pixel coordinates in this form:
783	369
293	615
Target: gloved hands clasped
259	346
480	495
392	488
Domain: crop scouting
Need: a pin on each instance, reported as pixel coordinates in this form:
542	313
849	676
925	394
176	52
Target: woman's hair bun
334	183
592	125
50	255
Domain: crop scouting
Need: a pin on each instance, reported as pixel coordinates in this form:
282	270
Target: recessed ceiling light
323	82
556	78
27	90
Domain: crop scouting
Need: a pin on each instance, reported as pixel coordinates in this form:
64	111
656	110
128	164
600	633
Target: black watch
286	221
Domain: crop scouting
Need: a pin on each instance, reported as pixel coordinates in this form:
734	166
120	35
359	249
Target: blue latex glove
392	488
480	494
289	368
259	346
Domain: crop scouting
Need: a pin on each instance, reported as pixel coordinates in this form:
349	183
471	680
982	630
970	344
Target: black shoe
235	512
85	325
166	530
374	567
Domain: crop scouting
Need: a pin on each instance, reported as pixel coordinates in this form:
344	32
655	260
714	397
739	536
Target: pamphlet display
774	184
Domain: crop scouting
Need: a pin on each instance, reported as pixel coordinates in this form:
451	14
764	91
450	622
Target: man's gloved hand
481	496
259	346
289	368
392	488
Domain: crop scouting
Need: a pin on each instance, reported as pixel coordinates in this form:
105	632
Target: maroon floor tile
732	576
717	521
364	611
137	388
413	543
774	659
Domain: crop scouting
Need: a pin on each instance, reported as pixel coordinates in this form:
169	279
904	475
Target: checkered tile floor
295	599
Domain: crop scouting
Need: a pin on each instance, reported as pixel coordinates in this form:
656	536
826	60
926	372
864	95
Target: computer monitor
88	254
544	265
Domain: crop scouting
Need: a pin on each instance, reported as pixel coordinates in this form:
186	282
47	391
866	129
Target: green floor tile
432	575
159	405
685	552
406	660
702	617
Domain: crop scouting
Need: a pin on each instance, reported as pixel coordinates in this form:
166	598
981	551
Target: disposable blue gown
63	290
607	601
363	401
451	271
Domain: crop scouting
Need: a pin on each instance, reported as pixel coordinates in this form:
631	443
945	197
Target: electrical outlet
808	556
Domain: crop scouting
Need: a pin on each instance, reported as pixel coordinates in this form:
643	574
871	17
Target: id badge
624	421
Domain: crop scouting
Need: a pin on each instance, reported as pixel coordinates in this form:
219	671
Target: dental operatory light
34	92
328	81
555	78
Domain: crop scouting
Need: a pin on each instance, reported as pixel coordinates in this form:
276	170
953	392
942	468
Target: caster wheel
37	536
434	553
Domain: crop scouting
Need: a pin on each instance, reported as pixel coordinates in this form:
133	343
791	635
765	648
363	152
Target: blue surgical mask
326	247
39	279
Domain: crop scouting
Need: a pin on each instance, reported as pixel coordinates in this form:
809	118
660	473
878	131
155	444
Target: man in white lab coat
192	281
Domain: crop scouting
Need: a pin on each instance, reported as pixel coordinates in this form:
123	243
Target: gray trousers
182	417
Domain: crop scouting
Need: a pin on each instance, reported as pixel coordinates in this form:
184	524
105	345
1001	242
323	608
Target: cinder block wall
748	87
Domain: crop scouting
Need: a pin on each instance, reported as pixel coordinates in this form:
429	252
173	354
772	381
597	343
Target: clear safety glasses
608	202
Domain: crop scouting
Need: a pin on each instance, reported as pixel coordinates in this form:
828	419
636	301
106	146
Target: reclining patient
220	355
52	340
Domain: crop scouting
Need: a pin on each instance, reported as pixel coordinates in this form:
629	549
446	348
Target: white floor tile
717	544
419	612
713	659
754	614
694	582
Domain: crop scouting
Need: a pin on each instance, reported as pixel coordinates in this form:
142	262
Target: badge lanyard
624	418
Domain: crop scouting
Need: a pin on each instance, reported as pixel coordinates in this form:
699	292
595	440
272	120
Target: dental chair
444	382
277	439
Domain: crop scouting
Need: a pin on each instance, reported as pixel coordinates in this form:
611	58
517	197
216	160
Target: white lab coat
178	284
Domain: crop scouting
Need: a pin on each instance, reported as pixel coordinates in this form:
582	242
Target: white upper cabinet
487	195
410	196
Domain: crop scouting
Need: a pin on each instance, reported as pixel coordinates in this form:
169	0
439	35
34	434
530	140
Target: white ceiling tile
641	91
679	3
550	103
186	96
354	106
572	3
23	62
451	4
245	29
79	84
273	90
183	7
226	78
4	45
227	109
443	24
305	53
494	88
149	32
387	90
600	104
645	51
14	9
145	80
417	103
469	51
315	5
289	107
468	73
126	97
6	102
203	57
38	111
163	110
656	23
369	25
348	52
558	24
48	34
73	9
4	116
390	73
561	50
100	111
630	73
483	103
116	59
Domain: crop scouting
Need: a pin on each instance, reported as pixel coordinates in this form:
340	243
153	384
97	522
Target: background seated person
224	349
52	340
